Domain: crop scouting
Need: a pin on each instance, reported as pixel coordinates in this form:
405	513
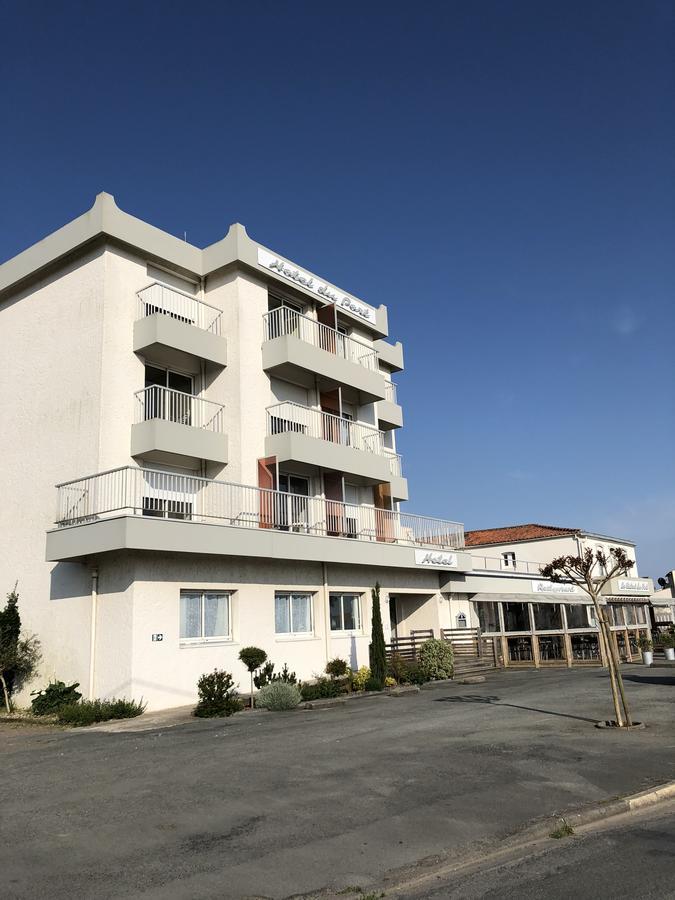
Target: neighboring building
221	425
663	603
537	622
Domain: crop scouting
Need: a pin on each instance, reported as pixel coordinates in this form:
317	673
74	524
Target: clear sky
500	174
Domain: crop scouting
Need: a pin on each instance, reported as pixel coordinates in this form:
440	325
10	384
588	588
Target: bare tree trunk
618	676
8	703
611	665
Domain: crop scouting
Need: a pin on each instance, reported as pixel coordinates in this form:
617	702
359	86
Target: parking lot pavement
279	804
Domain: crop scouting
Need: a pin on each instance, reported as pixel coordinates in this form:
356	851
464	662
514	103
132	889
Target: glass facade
547	617
516	616
488	616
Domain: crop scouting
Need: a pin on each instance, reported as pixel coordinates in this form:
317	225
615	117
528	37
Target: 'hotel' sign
435	560
310	282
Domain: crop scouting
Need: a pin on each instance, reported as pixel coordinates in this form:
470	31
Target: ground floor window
551	647
345	612
585	646
488	616
520	649
204	615
547	616
292	613
516	617
576	615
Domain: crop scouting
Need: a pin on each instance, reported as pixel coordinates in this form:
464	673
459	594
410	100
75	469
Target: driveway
279	804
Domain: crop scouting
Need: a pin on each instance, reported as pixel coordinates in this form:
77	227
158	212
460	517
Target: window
488	616
516	617
547	616
204	615
345	612
292	613
615	614
577	615
508	560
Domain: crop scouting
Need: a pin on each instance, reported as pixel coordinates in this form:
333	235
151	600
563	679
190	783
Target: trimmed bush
414	673
389	682
436	659
374	684
322	688
358	679
56	695
88	712
217	696
398	668
336	668
278	696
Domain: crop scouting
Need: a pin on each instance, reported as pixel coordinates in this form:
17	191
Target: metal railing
148	492
157	402
289	416
390	391
499	564
283	321
157	298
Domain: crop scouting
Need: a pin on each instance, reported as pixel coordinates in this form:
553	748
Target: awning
623	599
570	599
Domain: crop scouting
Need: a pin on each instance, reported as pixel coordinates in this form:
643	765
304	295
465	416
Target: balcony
316	439
298	348
389	413
134	508
174	428
169	320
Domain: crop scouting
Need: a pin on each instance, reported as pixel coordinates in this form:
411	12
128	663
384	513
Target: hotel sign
322	289
435	560
633	585
554	587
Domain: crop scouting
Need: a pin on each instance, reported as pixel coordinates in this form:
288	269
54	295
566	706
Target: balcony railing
288	416
157	402
390	391
147	492
157	298
283	321
499	564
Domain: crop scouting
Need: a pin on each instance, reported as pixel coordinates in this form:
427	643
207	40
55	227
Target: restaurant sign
322	289
633	585
554	587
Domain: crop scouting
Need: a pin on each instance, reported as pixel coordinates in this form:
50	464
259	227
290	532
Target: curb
496	851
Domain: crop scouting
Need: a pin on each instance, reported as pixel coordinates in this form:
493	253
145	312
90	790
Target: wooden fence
468	646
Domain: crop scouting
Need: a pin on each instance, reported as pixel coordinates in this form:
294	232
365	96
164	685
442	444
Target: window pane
282	618
547	616
516	617
629	613
190	615
216	618
577	616
300	613
350	607
335	612
640	615
488	616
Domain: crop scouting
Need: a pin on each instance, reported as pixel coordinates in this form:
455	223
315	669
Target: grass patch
563	830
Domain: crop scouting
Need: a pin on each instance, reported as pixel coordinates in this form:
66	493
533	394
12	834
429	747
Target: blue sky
500	174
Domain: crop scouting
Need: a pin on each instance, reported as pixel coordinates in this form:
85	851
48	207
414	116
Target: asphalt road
274	805
631	858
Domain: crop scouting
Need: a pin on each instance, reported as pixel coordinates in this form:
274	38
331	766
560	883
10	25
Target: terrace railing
158	298
284	321
157	402
133	491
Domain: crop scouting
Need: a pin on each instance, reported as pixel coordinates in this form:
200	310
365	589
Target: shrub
252	658
667	641
217	696
88	712
377	651
267	675
278	696
19	655
56	695
644	643
374	684
321	688
414	673
358	679
436	659
398	668
336	668
389	681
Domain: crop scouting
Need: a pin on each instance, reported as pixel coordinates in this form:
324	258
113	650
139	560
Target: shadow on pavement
650	679
495	701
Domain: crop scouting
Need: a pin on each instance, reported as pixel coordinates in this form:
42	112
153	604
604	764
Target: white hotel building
200	454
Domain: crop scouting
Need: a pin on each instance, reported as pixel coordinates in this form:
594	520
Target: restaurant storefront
547	632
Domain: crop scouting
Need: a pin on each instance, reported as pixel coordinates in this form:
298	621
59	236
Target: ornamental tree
252	658
377	650
591	571
19	657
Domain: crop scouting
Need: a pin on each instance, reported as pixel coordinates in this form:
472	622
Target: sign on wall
553	587
633	585
435	560
310	282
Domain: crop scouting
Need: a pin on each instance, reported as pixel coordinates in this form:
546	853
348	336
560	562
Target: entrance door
393	618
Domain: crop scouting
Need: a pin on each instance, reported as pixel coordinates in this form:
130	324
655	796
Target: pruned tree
592	571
